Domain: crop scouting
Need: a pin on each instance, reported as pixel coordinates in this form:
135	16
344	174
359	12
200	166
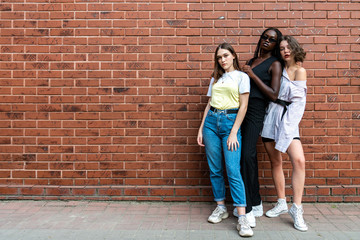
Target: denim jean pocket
231	117
210	113
210	119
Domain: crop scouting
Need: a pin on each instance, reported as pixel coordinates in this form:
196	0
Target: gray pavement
53	220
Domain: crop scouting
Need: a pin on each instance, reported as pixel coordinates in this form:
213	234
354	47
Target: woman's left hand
232	142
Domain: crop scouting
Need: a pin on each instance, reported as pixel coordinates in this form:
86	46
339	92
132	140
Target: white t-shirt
225	93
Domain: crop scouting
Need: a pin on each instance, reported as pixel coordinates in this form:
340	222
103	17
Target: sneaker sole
272	216
300	229
244	235
225	216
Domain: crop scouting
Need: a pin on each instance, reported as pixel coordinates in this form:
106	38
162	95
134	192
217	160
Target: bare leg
241	210
296	154
276	168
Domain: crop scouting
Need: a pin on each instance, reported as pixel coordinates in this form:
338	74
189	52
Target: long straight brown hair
218	70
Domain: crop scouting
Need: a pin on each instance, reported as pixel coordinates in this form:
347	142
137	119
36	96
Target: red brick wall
102	99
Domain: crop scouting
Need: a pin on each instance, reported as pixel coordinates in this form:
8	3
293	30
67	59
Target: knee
233	173
235	179
276	161
216	172
299	162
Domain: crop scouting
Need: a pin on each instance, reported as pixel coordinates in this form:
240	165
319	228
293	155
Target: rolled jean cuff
239	205
219	199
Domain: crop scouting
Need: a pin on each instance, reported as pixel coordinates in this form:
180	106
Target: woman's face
268	40
225	59
285	51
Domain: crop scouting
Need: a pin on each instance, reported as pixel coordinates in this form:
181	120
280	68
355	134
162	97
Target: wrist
233	132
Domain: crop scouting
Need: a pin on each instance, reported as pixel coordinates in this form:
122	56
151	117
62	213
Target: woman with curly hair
281	131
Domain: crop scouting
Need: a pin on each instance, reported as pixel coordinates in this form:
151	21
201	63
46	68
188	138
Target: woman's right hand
200	138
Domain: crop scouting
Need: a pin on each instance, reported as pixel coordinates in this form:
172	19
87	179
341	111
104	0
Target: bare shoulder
300	74
275	67
276	63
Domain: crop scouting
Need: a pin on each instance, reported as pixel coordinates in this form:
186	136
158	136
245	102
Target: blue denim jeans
217	127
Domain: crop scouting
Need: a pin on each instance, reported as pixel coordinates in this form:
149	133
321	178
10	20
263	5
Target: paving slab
107	220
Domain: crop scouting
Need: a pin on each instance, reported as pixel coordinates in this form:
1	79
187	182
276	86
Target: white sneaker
280	208
297	215
244	228
258	210
218	215
251	219
235	213
249	216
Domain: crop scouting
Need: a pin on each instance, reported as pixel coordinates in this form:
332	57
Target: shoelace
298	216
217	211
277	207
244	222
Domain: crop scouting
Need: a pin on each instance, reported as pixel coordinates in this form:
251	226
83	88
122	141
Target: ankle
297	206
222	206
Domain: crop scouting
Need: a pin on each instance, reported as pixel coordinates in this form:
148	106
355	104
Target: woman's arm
232	141
271	92
200	134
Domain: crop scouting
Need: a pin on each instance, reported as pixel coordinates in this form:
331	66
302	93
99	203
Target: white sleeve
210	87
244	83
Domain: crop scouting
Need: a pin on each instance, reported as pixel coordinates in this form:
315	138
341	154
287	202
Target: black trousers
250	130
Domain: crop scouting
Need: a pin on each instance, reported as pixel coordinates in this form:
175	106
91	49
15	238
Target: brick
162	192
37	191
301	23
348	6
289	15
348	173
162	15
187	192
175	7
84	192
57	191
348	23
304	6
8	191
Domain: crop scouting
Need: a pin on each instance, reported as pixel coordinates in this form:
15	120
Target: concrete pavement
68	220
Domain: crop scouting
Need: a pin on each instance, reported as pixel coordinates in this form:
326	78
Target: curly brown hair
297	51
